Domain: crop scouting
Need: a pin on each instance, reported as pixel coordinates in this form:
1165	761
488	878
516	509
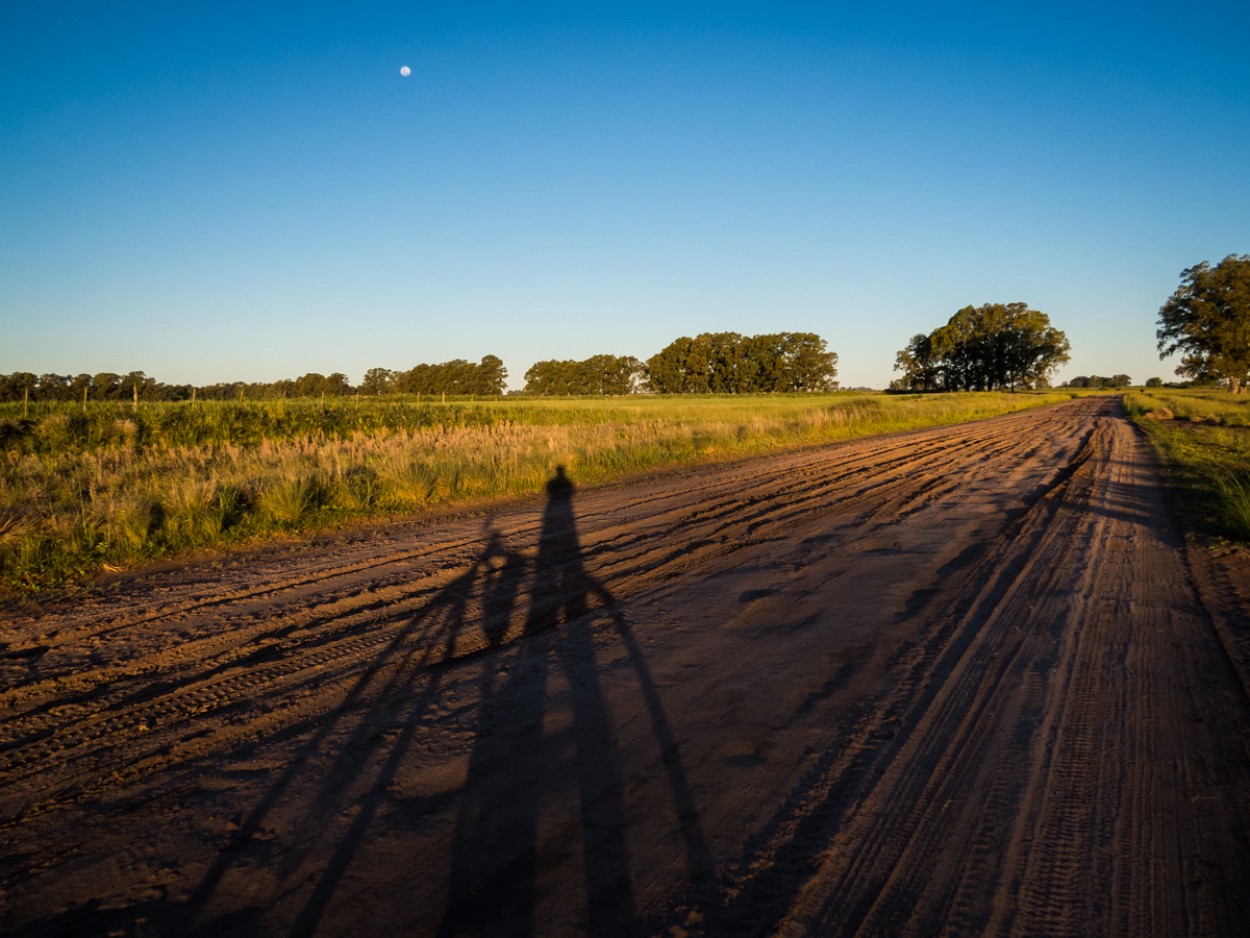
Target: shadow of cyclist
495	863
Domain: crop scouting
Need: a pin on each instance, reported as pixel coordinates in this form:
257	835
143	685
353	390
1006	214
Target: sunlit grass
1235	500
115	486
1203	439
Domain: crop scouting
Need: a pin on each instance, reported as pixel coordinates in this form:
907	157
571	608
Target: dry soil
962	681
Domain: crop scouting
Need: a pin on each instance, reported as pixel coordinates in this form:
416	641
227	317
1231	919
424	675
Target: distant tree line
1098	381
459	377
989	347
997	346
105	386
710	363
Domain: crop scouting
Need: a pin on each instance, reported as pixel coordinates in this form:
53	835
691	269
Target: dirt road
963	681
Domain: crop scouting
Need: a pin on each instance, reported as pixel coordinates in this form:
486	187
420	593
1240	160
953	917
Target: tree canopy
729	363
984	348
487	378
1207	320
599	374
1117	382
455	377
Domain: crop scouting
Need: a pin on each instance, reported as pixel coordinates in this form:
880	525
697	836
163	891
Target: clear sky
250	191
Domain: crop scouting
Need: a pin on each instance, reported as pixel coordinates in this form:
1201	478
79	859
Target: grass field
112	485
1203	438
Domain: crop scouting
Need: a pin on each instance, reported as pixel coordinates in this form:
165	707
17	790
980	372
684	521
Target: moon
405	71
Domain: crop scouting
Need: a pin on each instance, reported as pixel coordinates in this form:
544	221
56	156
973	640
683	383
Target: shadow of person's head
560	485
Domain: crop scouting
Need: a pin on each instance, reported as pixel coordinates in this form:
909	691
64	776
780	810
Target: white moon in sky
405	71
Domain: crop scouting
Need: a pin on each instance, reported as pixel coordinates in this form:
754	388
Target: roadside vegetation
112	484
1203	440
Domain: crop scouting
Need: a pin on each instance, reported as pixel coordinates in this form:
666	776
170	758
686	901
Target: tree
1119	382
457	376
920	369
17	386
309	385
80	387
1207	320
729	363
807	363
52	387
614	374
491	377
984	348
378	381
785	362
137	384
551	377
667	369
599	374
336	385
104	386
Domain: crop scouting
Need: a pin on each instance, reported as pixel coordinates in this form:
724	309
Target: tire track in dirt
918	838
105	713
941	764
918	703
723	511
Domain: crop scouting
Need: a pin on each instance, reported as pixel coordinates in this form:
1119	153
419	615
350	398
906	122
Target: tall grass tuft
288	501
1235	504
407	479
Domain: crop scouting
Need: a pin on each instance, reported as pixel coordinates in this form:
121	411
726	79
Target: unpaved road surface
963	681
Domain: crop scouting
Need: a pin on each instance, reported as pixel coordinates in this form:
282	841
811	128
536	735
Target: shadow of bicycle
530	620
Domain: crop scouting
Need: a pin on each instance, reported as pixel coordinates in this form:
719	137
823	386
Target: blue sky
225	191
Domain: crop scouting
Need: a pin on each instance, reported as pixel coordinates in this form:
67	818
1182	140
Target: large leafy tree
490	376
984	348
378	381
786	361
919	365
729	363
1207	320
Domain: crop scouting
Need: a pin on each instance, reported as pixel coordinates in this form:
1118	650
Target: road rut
966	681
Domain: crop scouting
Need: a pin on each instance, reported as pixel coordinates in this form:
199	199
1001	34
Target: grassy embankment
82	490
1203	439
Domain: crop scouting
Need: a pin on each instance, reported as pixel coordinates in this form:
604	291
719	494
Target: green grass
1203	439
116	486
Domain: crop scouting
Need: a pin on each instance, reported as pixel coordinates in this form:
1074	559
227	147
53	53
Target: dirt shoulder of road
1221	573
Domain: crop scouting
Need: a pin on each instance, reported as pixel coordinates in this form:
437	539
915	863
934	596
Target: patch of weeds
1235	504
287	502
358	489
409	481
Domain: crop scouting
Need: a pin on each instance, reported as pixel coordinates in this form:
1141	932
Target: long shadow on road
495	856
495	864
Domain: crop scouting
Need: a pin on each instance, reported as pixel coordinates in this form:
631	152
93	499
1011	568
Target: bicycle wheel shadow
378	717
528	622
495	862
